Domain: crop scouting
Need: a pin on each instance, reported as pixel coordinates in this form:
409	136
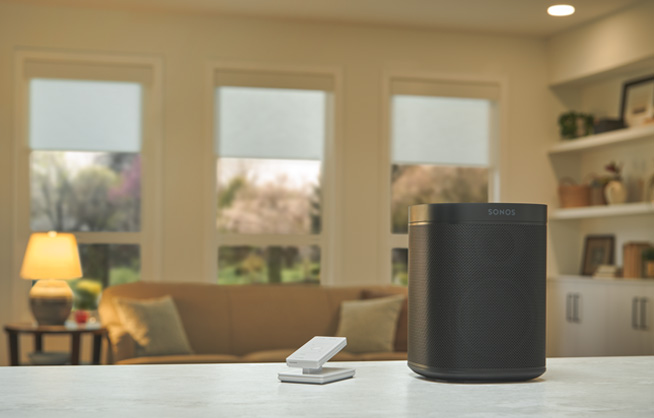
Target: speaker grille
477	295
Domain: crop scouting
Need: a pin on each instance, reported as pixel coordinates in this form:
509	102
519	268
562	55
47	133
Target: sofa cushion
276	317
402	331
155	325
195	303
182	359
370	325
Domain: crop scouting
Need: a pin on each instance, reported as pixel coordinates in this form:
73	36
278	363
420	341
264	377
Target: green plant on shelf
575	124
648	254
648	261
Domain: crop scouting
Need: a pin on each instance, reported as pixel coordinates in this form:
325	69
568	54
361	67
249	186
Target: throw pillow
155	325
402	332
369	325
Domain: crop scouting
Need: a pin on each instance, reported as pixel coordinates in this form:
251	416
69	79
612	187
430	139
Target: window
270	137
87	139
85	142
441	137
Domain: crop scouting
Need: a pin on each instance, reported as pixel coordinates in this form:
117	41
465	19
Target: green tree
53	196
418	184
92	209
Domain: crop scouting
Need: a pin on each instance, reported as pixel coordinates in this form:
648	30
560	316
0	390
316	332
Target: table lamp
51	258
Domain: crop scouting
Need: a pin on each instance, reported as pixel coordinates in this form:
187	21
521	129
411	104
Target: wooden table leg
97	348
13	348
38	342
74	355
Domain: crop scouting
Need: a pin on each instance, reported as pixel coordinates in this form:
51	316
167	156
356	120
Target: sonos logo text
507	212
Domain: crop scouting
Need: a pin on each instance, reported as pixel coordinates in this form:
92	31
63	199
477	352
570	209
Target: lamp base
51	302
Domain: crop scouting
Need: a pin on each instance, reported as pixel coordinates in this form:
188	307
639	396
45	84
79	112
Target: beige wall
188	42
620	39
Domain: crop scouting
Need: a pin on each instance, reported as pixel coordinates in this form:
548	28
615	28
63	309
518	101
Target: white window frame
496	148
149	237
329	265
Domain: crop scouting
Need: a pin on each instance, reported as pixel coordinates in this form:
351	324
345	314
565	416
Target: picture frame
637	104
598	250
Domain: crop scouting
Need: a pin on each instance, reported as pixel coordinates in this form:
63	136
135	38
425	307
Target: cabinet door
630	321
648	319
589	314
576	315
563	313
557	314
560	329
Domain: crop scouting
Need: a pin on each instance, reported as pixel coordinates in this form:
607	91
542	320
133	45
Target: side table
38	331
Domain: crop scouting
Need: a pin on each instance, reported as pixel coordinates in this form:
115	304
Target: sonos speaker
477	291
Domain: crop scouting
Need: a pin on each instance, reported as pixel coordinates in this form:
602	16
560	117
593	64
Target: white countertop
598	386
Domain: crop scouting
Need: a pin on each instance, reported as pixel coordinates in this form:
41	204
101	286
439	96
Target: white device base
321	376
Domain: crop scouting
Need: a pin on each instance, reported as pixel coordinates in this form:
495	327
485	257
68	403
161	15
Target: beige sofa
252	323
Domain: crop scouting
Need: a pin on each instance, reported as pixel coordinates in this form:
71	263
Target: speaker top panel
478	213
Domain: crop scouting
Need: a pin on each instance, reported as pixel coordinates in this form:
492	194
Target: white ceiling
513	17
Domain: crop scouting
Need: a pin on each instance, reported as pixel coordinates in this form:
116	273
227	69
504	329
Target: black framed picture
598	250
637	106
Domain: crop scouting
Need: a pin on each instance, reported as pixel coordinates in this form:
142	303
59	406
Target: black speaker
477	291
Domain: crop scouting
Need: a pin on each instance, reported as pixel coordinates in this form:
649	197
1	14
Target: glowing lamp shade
560	10
51	258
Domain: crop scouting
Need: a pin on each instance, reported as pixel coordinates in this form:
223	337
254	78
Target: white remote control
311	357
316	352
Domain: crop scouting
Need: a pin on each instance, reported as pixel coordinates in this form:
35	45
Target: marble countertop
571	387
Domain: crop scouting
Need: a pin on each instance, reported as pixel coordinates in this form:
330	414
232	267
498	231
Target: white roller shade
446	88
270	123
440	130
74	115
273	79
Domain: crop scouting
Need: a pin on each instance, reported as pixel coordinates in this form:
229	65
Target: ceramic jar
615	192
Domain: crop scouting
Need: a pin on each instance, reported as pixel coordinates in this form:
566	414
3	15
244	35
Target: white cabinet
576	318
630	320
599	317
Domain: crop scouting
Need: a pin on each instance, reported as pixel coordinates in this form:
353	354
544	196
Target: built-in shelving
619	136
576	277
607	73
598	91
586	212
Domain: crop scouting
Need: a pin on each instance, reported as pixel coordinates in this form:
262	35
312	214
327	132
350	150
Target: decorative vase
615	192
81	316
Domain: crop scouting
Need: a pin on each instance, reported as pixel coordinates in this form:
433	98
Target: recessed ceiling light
560	10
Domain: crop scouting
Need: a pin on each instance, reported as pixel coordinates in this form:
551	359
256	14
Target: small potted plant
648	261
575	124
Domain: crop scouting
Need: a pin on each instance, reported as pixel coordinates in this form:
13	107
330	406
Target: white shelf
597	76
618	280
627	209
619	136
